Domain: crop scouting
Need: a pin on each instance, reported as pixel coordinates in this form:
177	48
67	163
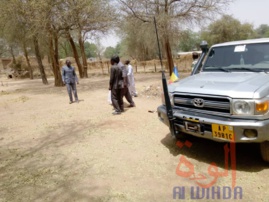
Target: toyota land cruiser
226	98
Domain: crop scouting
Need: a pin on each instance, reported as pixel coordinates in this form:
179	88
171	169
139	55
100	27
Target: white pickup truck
227	96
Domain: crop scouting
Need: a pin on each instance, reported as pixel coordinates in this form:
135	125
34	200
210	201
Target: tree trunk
28	61
101	63
169	55
39	60
83	55
14	61
75	52
55	60
167	43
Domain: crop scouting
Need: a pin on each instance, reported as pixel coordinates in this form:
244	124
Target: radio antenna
158	42
169	109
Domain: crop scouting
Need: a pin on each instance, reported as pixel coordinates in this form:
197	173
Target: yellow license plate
222	132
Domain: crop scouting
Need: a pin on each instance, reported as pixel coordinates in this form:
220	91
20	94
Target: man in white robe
131	80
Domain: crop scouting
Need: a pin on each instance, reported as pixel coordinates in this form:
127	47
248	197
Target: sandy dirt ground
51	150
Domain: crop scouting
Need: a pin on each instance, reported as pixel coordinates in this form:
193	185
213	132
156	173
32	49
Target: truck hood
231	84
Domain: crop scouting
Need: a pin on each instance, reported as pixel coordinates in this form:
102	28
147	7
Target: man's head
114	60
117	58
68	63
195	55
127	62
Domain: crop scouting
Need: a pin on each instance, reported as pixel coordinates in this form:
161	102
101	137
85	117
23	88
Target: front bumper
206	121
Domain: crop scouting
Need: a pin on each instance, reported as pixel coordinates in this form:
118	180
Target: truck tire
264	147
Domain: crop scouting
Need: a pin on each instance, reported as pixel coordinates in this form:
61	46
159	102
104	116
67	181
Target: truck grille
203	104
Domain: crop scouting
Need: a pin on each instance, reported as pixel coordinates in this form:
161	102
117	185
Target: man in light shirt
131	80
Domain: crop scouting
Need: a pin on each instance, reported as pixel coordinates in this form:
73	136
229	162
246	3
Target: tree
76	54
24	20
46	23
109	52
20	26
227	29
262	31
64	48
99	51
118	49
189	41
39	60
3	47
87	17
90	49
15	30
170	14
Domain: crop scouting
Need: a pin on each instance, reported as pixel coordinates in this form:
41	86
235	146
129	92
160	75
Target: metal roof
242	42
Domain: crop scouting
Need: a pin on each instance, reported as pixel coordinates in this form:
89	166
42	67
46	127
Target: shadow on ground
29	172
248	157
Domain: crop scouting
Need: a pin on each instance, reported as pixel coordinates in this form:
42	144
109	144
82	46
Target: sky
250	11
110	40
246	11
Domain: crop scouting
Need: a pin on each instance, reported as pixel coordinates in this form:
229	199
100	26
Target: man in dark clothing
125	90
116	85
70	79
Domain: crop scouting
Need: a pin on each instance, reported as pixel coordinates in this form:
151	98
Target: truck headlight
251	107
242	107
171	97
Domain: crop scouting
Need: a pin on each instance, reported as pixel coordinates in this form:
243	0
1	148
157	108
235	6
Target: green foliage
118	49
65	49
20	64
3	47
139	39
262	31
189	41
227	29
90	50
110	51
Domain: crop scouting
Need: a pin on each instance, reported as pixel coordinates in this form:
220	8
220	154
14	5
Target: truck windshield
245	57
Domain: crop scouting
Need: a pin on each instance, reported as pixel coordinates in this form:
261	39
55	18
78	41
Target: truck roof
242	42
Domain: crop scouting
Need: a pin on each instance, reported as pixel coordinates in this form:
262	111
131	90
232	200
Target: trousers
126	93
71	87
116	99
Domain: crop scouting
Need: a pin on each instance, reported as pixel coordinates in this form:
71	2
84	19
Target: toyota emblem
198	102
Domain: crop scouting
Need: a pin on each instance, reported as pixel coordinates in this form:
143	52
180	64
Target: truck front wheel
264	147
